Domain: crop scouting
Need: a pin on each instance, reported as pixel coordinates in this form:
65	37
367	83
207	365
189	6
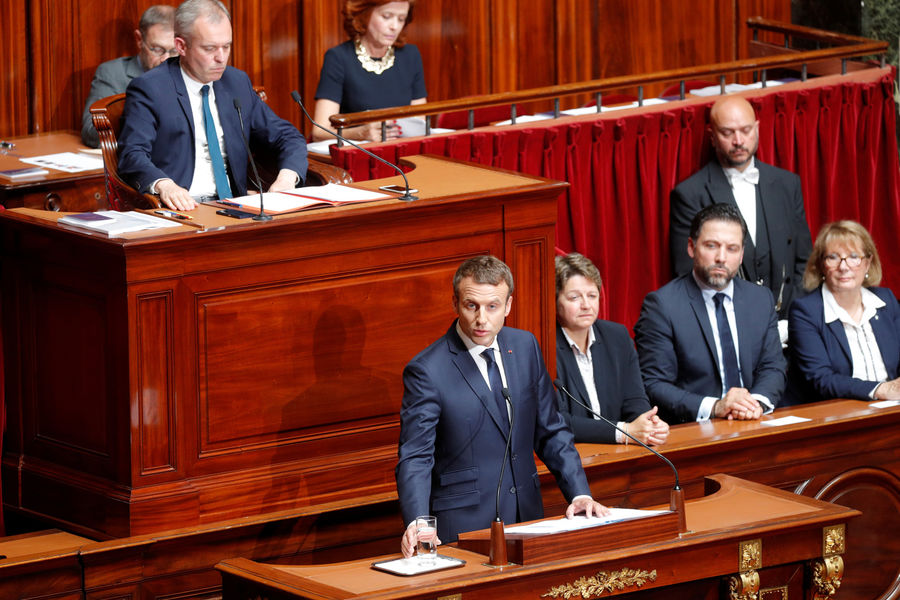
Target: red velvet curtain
838	133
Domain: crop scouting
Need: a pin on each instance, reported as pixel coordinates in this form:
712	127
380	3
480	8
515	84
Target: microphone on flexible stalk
676	498
407	196
262	216
498	535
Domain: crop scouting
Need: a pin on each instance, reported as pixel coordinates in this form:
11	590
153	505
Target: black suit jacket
677	349
617	377
783	239
453	434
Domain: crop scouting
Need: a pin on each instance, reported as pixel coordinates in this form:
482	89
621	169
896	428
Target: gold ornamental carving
744	586
826	577
589	587
833	540
774	593
750	555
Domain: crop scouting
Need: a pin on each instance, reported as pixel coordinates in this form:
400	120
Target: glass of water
426	534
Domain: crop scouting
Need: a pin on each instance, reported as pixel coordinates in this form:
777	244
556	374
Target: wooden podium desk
168	379
742	538
57	190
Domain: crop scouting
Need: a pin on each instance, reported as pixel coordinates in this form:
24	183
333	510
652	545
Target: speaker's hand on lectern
586	505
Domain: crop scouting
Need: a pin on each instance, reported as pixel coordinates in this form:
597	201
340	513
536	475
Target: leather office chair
107	114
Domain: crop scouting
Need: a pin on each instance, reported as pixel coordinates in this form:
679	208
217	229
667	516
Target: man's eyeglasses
853	260
159	51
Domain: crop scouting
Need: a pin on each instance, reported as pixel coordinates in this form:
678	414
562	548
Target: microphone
406	197
262	216
676	500
498	535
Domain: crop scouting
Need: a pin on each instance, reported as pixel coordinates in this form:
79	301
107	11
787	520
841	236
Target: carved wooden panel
873	539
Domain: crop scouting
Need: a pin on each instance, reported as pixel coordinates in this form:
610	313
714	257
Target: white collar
835	312
572	344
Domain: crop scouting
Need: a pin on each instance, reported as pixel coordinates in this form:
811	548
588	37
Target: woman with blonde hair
375	69
844	337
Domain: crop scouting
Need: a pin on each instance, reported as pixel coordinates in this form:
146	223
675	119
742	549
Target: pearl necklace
372	65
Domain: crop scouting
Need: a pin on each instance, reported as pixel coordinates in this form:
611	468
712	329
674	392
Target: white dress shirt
868	365
706	407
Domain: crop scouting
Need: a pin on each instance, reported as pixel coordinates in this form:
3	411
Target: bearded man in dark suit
770	200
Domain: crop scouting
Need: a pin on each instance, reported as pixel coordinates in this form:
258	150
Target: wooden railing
841	48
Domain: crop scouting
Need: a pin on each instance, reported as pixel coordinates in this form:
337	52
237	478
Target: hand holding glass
426	536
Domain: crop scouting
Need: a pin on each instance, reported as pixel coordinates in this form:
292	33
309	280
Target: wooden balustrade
843	47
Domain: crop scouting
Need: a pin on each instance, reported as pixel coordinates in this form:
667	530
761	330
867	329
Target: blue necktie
729	356
223	188
496	382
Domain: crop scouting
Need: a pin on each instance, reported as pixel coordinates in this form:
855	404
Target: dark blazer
821	366
157	137
780	256
110	78
452	437
677	350
617	377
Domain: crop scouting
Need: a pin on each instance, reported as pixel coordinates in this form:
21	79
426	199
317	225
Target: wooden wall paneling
456	42
267	45
643	36
14	82
321	27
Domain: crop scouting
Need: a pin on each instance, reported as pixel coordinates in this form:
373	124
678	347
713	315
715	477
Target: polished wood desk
57	190
742	539
847	453
167	380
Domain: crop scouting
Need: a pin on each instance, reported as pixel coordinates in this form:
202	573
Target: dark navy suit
821	365
157	137
617	377
783	243
677	350
452	437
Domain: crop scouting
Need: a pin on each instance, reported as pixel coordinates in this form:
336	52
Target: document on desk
790	420
113	223
70	162
581	522
302	198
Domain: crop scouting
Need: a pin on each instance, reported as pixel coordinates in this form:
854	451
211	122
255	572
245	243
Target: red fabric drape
837	133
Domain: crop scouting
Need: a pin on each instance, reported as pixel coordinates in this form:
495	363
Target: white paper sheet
582	522
70	162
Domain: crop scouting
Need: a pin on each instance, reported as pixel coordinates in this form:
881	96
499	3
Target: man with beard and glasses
778	242
708	341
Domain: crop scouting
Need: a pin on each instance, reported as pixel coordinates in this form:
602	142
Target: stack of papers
113	223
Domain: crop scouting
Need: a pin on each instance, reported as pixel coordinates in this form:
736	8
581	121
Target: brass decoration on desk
744	586
774	593
826	577
587	587
833	540
750	555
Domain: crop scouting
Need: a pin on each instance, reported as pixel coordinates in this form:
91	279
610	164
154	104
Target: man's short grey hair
158	14
191	10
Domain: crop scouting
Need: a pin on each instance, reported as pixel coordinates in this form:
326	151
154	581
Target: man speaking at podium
172	111
455	420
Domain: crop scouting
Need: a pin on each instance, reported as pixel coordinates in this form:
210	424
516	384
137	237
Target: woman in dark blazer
605	351
844	337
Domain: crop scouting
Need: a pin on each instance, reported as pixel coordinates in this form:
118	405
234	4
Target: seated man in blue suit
454	421
169	111
708	343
